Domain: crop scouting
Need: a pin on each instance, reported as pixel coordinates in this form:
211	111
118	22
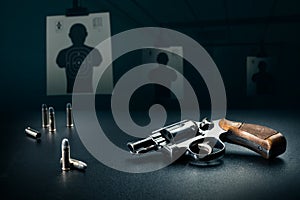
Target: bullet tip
51	110
69	105
65	143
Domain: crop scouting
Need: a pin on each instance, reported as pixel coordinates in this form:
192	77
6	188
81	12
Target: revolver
204	141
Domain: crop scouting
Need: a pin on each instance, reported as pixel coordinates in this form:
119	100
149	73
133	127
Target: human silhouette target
77	55
71	42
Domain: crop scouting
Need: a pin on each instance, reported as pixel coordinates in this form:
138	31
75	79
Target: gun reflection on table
203	141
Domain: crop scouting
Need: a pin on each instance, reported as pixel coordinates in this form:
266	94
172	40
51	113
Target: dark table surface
31	169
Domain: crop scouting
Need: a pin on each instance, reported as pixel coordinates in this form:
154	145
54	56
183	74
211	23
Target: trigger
204	149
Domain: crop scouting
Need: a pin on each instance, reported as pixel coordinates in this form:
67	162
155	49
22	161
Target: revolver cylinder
160	138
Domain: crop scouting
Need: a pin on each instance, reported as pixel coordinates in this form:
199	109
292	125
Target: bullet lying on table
33	133
77	164
66	161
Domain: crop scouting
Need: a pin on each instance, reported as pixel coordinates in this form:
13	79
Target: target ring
85	119
76	58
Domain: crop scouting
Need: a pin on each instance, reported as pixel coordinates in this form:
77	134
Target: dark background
229	30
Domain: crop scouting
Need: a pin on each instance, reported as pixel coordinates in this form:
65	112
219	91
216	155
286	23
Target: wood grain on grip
267	142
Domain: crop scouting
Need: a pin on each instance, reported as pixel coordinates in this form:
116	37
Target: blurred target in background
70	44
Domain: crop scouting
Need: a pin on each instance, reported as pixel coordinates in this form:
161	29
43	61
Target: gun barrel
142	146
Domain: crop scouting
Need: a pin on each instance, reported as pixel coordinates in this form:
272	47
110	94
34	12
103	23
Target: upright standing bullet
65	155
45	116
69	117
52	126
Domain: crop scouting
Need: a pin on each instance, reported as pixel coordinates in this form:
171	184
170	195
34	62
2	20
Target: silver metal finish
77	164
69	116
172	134
68	163
200	140
52	126
65	155
33	133
45	116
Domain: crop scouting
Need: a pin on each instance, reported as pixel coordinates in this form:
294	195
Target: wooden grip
265	141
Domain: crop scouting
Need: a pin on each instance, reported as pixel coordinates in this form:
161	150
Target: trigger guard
210	143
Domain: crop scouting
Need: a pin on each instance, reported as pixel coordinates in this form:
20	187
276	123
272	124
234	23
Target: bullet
52	126
78	164
45	116
65	155
69	117
33	133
